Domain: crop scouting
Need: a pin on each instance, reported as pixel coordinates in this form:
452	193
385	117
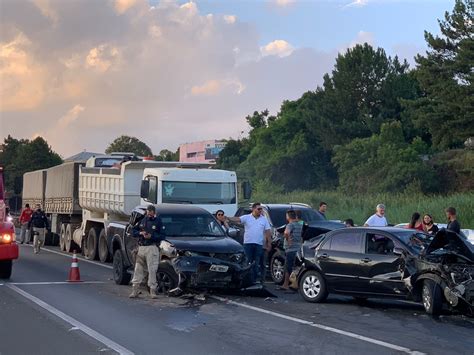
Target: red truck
8	246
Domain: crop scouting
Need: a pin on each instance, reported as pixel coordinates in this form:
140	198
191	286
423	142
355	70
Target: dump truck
82	200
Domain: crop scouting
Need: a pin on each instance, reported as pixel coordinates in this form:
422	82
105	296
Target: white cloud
121	6
357	3
47	10
278	47
102	57
230	19
210	87
363	37
284	3
155	31
70	116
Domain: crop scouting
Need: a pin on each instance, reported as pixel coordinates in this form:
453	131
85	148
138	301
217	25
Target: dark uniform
148	256
40	223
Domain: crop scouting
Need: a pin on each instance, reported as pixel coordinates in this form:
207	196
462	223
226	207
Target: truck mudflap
9	251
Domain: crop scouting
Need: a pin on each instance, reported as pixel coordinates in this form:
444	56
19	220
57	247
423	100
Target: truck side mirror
145	189
247	190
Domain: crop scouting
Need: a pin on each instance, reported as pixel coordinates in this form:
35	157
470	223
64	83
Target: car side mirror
145	189
398	251
233	232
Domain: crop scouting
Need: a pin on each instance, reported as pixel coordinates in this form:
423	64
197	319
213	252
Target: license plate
219	268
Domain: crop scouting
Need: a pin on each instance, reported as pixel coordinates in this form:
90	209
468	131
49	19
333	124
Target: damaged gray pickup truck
387	262
196	254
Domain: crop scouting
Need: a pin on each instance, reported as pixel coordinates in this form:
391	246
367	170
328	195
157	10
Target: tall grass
399	207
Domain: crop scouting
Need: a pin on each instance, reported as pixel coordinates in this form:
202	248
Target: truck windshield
194	225
198	192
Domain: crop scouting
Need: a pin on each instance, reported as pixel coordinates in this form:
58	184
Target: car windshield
278	215
199	192
194	225
417	242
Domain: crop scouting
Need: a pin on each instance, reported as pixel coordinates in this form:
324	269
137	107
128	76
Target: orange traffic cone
74	275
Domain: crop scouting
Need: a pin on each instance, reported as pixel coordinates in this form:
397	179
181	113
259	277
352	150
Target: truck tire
5	269
104	255
70	244
121	276
91	244
62	237
48	238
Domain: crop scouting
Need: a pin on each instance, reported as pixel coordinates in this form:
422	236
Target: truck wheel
121	276
103	247
432	297
5	269
62	237
48	238
91	245
69	243
166	277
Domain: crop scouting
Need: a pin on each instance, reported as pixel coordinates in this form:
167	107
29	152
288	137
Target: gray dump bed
62	187
34	186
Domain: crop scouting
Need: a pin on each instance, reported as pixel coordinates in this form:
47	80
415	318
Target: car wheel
5	269
121	276
312	287
432	297
277	269
103	247
166	278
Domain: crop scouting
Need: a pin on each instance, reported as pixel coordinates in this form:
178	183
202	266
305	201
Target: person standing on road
40	225
24	220
453	223
257	237
292	243
378	218
428	224
323	206
148	232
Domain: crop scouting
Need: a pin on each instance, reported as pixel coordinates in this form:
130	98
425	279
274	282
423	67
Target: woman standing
428	224
416	222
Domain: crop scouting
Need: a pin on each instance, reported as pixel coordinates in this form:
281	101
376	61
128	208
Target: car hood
206	244
451	242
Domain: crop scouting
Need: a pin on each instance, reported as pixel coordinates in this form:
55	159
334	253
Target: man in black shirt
148	232
453	224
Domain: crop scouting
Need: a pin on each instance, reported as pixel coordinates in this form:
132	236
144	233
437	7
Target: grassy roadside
399	207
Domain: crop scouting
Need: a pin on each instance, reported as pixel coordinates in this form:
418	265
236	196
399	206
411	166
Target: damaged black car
390	262
196	254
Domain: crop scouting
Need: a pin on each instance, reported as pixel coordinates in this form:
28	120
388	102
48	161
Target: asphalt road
41	314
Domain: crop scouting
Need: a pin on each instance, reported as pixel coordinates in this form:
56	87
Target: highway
40	313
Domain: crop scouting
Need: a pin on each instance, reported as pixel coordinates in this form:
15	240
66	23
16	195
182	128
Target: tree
446	77
167	155
21	156
127	144
384	162
363	92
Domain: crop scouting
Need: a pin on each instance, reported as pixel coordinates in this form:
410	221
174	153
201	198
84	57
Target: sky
82	72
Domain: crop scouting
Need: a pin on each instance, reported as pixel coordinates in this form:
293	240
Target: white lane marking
56	283
320	326
70	256
75	323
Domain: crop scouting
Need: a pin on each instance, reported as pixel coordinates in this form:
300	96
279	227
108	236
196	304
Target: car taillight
5	238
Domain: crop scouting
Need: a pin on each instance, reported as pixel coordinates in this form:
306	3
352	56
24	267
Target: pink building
201	152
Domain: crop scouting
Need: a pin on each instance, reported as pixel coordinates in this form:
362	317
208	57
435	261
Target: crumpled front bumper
195	273
8	251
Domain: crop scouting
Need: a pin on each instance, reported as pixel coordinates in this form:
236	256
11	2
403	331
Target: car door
339	258
380	266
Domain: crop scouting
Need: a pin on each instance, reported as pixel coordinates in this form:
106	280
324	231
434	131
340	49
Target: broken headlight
237	257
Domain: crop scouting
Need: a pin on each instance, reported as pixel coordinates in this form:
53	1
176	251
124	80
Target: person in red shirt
24	219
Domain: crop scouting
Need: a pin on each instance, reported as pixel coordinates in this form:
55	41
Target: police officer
40	224
148	232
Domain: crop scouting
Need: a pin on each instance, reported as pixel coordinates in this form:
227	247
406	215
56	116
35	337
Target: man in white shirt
257	236
378	218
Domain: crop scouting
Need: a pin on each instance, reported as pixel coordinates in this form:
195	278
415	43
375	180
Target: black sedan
390	262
